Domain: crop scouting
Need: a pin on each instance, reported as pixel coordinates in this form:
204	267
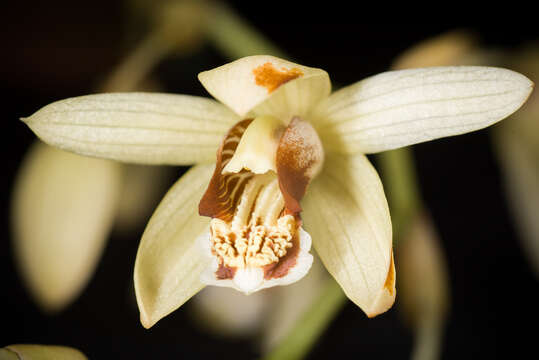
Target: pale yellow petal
63	207
346	211
405	107
40	352
266	85
146	128
169	260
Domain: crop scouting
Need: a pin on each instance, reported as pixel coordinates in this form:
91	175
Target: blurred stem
139	63
237	39
177	27
234	37
398	171
427	340
311	325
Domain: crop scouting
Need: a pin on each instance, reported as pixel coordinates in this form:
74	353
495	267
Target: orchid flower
288	153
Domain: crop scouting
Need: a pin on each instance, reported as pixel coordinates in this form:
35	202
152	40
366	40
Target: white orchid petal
405	107
346	211
169	261
147	128
268	86
63	208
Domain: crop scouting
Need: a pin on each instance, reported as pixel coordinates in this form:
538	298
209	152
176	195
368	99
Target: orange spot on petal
390	280
271	78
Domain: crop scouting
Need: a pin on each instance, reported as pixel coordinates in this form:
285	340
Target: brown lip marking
268	76
283	266
216	202
224	272
298	153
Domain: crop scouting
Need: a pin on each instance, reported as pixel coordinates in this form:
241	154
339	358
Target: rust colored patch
271	78
216	202
224	272
298	155
281	268
390	280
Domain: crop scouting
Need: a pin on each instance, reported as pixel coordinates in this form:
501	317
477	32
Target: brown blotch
216	202
298	154
271	78
390	280
283	266
225	272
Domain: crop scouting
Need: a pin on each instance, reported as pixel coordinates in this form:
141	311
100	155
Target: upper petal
169	261
405	107
147	128
346	211
267	85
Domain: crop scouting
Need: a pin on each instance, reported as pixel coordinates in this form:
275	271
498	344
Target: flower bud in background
517	145
64	205
443	50
424	286
40	352
229	313
424	283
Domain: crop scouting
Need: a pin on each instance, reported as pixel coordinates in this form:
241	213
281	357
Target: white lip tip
248	280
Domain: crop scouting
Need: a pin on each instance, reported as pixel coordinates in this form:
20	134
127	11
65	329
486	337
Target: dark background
59	49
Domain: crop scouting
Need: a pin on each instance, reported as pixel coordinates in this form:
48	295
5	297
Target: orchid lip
262	171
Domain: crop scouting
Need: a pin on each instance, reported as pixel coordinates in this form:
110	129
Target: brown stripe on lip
299	158
216	202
